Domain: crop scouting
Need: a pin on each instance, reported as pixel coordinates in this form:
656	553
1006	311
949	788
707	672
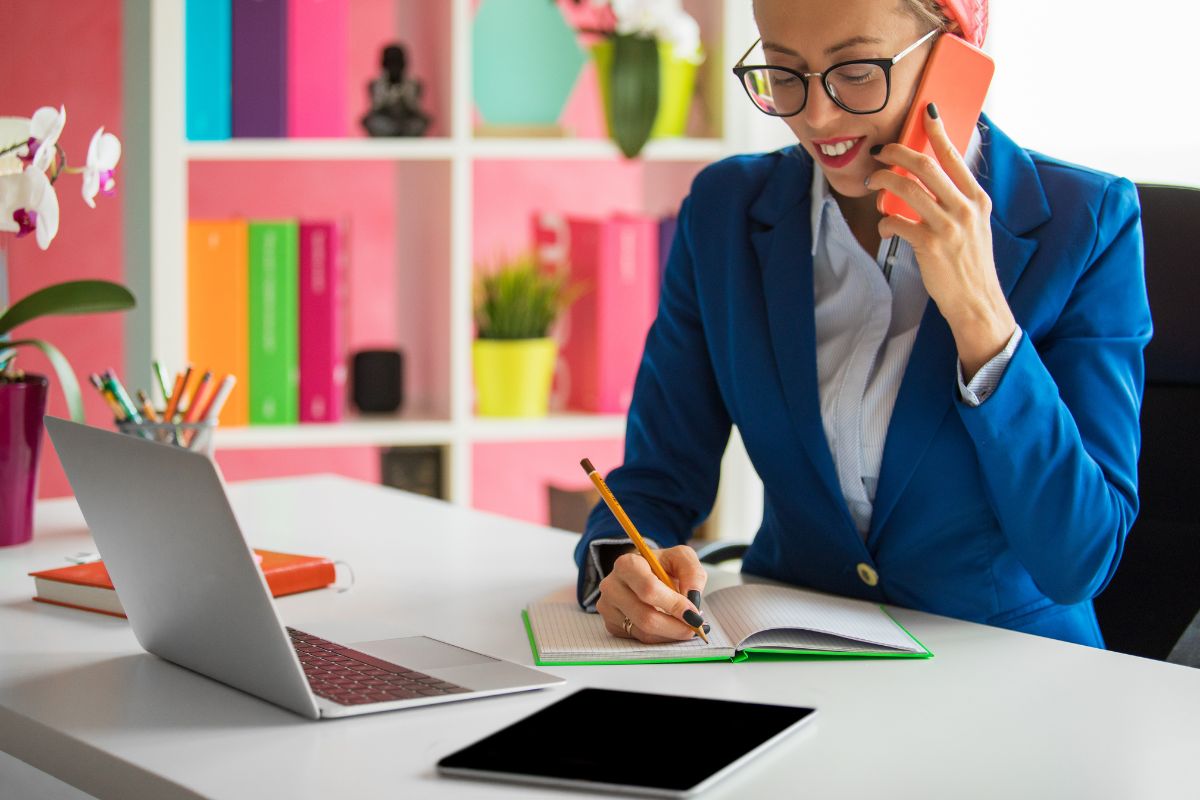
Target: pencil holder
196	436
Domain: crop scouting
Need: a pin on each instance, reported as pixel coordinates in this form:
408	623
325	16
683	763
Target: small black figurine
395	99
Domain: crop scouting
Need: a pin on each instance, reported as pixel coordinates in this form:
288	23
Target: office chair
1156	591
1155	594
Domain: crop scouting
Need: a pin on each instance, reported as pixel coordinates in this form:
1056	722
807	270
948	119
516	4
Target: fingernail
877	149
692	618
694	596
707	627
932	109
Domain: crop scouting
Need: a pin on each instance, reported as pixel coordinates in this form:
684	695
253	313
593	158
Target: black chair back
1156	590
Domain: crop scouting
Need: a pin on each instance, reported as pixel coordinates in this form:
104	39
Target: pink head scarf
971	16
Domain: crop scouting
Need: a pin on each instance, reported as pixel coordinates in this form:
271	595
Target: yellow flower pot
513	376
676	81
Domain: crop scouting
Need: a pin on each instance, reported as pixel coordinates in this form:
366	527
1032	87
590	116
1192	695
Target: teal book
274	322
749	617
208	65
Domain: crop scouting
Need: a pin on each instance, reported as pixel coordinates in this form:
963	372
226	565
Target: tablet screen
659	744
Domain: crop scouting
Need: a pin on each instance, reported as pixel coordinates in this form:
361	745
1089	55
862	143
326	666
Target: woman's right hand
637	605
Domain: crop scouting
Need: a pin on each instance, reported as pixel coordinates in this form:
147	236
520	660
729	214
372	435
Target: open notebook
746	617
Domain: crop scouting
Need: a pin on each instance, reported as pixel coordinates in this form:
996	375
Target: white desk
995	714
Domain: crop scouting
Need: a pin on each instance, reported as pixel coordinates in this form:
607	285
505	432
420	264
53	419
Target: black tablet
628	742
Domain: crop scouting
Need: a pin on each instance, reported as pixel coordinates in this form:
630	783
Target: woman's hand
952	242
637	605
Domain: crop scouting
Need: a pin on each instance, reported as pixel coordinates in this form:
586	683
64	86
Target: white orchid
31	162
103	154
45	127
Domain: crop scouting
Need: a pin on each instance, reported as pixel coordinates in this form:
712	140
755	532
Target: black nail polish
694	596
876	150
932	109
707	627
692	618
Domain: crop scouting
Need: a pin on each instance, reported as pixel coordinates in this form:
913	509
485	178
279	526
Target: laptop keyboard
351	678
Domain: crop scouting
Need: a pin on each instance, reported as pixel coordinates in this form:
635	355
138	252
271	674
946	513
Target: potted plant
646	59
31	163
513	353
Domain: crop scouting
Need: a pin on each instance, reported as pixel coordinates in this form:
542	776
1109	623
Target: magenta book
317	65
322	368
604	332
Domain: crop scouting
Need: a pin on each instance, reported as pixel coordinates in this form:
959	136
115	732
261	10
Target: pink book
322	368
317	64
604	332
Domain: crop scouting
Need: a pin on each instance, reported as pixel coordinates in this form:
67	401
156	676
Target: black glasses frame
885	64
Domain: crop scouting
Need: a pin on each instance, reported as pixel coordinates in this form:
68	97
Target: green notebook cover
274	322
585	633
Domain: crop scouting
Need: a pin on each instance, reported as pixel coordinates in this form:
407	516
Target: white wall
1111	84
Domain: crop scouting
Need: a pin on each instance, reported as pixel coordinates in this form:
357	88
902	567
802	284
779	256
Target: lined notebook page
754	608
564	632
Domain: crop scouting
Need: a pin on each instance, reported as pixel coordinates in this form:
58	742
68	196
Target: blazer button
869	576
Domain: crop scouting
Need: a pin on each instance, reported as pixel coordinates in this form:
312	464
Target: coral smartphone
956	78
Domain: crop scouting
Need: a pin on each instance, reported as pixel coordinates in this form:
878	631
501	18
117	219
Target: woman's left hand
952	242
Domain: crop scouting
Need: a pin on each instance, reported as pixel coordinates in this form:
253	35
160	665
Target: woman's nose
820	112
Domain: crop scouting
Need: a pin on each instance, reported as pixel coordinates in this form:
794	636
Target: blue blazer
1013	513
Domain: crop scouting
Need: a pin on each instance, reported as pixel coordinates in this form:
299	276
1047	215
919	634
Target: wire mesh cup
197	436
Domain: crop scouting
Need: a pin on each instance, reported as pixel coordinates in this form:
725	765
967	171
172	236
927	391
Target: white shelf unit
156	170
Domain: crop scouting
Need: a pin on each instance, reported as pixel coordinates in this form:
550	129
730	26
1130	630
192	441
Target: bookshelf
159	162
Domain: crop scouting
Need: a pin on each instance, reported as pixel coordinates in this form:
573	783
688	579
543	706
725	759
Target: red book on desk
88	587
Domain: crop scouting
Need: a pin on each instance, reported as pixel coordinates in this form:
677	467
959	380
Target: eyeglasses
860	87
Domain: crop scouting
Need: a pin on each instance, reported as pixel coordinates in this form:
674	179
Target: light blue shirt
865	332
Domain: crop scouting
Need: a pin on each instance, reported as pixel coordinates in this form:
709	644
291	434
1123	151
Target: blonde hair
931	14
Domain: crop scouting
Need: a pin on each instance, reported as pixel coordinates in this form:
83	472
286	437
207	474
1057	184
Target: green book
274	322
748	616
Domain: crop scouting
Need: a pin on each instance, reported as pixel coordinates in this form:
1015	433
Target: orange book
88	587
218	308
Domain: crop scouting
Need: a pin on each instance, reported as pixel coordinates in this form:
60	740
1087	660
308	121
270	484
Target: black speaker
378	380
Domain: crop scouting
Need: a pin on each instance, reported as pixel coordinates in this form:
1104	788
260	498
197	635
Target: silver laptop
194	595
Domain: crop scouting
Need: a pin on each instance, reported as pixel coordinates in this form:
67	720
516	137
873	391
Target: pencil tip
587	466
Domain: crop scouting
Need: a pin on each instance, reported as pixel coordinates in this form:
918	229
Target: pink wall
510	478
67	52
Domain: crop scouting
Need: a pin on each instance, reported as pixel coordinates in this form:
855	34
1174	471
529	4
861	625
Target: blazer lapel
783	245
930	385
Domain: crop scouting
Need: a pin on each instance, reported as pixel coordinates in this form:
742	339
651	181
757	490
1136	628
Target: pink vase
22	405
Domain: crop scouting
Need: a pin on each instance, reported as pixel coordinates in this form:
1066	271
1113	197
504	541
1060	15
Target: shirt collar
822	197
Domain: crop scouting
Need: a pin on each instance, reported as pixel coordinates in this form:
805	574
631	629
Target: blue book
209	69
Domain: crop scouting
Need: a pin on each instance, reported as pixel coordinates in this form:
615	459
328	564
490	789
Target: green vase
676	82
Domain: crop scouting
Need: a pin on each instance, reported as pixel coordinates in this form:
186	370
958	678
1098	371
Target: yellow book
218	315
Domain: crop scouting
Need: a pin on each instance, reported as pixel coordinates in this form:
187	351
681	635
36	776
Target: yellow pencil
627	524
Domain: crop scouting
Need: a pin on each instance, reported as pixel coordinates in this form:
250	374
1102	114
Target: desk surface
995	714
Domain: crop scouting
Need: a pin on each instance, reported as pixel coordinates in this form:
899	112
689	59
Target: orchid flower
103	154
29	204
44	129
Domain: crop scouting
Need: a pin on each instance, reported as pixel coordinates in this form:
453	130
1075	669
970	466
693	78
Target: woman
960	436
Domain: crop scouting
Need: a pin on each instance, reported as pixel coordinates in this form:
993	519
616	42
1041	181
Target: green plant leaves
70	297
519	301
634	91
